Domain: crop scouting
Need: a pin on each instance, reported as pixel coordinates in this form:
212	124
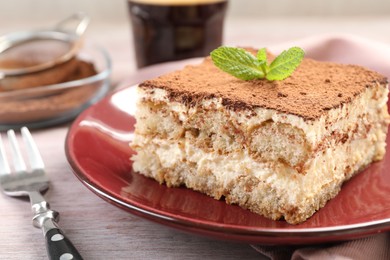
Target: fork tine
32	150
4	166
16	154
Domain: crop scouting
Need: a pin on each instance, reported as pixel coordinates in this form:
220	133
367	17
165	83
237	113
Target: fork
24	182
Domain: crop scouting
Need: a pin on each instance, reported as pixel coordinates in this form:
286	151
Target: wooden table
102	231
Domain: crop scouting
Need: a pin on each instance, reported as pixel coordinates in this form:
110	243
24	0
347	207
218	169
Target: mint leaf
262	55
237	62
244	65
262	58
285	64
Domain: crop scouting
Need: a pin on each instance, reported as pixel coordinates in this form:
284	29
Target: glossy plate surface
98	152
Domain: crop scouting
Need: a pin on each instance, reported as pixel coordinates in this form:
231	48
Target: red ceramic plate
98	152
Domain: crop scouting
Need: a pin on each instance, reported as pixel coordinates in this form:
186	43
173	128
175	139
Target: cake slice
281	149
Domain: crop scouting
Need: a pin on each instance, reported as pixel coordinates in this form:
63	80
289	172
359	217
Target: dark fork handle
59	247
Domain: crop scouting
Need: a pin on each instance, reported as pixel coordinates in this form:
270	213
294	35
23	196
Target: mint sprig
244	65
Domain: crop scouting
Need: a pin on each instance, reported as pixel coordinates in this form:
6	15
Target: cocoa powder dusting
313	89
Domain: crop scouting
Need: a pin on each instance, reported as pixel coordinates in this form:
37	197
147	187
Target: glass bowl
48	105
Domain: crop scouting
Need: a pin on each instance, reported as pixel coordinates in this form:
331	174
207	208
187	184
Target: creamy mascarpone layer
372	104
178	163
268	135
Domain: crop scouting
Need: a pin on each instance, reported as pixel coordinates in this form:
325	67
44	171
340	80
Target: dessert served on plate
273	140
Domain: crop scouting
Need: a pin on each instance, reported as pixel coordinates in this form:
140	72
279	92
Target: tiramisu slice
281	149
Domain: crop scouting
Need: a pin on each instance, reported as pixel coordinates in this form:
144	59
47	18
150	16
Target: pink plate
98	152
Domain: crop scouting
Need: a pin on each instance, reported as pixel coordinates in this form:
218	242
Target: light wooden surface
102	231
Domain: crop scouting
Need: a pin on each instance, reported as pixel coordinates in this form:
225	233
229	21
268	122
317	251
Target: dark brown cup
171	31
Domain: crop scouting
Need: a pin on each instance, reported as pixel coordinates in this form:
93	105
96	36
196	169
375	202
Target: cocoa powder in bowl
30	106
